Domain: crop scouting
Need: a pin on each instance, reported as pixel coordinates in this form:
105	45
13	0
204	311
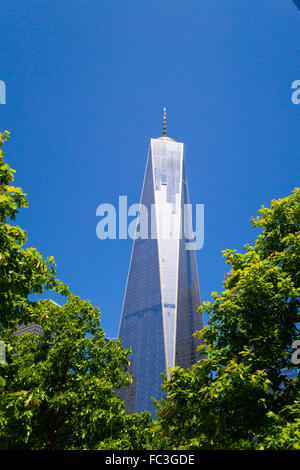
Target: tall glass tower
162	293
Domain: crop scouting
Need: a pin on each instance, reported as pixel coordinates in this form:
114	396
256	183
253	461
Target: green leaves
11	198
60	386
57	389
23	271
224	401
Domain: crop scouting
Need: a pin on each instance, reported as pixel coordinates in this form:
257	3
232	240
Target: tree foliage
57	389
231	399
23	271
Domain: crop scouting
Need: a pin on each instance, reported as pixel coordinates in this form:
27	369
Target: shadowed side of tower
188	299
141	327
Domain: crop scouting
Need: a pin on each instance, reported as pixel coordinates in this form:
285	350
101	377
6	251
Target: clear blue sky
86	85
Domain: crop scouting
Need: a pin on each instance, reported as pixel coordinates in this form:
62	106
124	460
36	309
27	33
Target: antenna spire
165	123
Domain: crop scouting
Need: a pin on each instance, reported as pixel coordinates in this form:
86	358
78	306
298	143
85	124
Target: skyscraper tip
165	123
164	133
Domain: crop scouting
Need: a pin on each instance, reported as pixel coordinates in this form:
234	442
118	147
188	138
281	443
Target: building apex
165	123
164	135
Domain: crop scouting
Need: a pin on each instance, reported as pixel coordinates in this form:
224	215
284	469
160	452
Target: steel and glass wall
162	292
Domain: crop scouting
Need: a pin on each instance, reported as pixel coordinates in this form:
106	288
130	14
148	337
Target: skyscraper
162	293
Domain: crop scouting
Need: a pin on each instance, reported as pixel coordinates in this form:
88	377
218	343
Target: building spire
164	133
165	123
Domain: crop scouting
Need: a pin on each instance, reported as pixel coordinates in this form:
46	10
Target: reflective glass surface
141	327
162	292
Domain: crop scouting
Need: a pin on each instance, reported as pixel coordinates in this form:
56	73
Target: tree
23	271
230	399
57	389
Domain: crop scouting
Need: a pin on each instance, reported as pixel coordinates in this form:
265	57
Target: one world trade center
162	295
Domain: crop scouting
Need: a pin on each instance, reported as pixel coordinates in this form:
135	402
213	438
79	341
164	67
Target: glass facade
162	292
29	328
